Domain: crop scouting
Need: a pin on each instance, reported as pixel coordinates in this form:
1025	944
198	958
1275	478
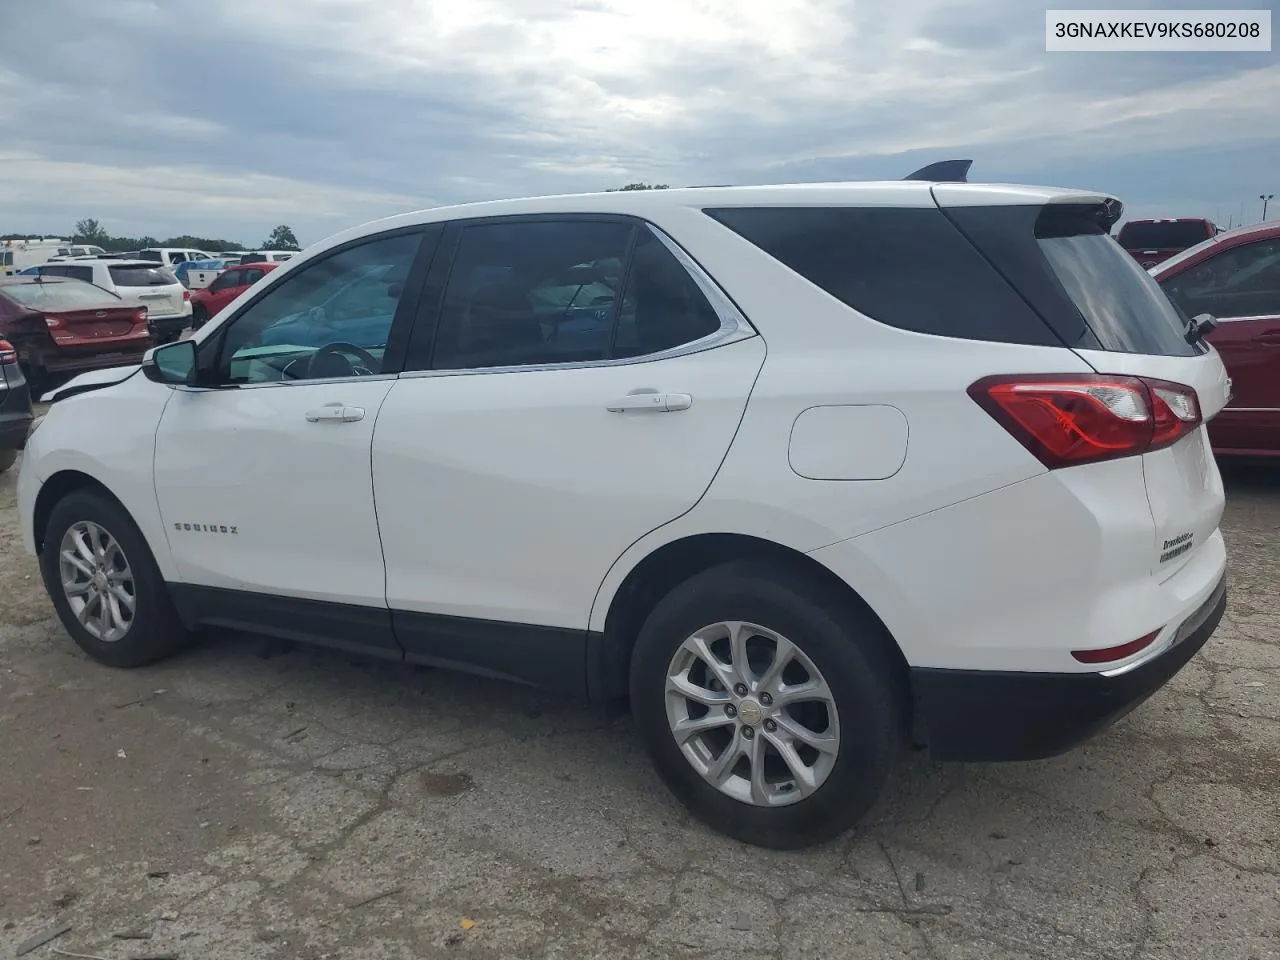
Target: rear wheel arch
674	563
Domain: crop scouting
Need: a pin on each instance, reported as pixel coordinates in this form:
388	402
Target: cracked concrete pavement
246	802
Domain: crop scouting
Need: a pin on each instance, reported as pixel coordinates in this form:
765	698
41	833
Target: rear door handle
1270	337
653	402
335	412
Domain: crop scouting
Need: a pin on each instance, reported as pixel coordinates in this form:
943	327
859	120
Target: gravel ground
244	801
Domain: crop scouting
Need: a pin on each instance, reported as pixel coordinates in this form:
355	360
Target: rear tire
7	459
105	585
815	782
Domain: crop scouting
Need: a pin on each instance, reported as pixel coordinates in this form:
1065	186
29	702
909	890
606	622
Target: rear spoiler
944	171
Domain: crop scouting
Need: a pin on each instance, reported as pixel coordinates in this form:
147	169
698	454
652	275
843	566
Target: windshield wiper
1199	326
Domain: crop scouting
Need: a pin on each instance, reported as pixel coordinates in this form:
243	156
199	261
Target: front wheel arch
58	487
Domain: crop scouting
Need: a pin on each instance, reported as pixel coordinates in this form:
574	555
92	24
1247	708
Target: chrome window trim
284	383
734	326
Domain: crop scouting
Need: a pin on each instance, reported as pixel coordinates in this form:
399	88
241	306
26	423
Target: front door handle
335	412
653	402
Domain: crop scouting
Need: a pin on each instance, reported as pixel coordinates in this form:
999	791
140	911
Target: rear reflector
1111	654
1069	419
7	353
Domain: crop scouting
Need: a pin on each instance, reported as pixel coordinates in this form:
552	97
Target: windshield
67	295
141	276
1123	305
1162	236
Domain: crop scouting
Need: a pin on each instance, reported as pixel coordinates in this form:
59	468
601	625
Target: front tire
7	459
105	585
787	738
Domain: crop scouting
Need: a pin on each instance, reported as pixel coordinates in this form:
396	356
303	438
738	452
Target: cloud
316	112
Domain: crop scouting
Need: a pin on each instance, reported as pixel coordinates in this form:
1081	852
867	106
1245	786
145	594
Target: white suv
804	471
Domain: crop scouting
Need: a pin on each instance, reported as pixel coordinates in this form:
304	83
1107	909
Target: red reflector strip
1111	654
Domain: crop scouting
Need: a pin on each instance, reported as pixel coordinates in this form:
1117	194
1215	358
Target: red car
58	324
226	287
1154	241
1235	277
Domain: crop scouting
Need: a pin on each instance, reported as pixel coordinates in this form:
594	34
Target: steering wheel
330	361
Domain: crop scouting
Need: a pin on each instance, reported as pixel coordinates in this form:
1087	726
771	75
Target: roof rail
944	171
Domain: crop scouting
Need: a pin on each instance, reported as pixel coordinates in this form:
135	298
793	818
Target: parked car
59	325
172	256
190	273
266	256
15	405
964	491
226	286
75	251
1235	278
140	282
1153	241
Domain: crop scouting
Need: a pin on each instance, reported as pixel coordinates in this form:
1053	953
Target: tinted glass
1162	236
663	307
6	258
532	293
151	255
140	276
1241	282
252	258
65	270
1122	304
66	295
251	276
905	267
329	319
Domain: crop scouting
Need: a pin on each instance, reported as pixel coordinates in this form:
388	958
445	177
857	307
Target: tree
640	186
281	238
90	230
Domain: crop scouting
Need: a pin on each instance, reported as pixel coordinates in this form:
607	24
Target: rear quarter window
906	267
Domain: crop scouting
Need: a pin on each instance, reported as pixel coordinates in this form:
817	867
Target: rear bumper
980	715
13	430
166	326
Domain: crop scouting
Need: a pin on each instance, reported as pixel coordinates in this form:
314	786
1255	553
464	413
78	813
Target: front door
580	390
1241	288
263	477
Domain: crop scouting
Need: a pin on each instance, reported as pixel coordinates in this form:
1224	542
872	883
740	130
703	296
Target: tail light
140	315
1070	419
54	323
186	295
7	353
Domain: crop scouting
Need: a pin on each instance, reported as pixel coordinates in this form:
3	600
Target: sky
223	118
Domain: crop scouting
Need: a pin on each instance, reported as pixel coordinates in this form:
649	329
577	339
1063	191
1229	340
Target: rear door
1240	287
577	388
1107	308
151	286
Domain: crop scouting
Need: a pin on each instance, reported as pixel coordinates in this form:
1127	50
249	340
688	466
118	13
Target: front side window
565	291
1241	282
329	319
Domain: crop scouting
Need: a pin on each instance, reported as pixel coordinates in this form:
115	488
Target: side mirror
174	363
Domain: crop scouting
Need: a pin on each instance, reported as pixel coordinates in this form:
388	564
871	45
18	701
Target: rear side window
526	293
906	267
141	276
64	270
1163	236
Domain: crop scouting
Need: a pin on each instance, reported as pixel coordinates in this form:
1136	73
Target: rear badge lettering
1177	546
228	529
